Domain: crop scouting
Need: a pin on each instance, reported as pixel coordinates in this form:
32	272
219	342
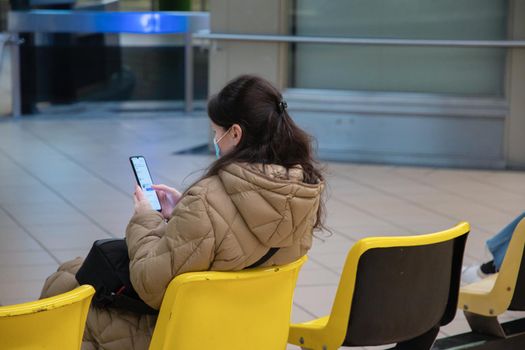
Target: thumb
139	193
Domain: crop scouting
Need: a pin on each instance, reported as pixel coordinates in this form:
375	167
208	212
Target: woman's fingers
168	197
162	197
142	204
165	188
161	187
138	192
135	201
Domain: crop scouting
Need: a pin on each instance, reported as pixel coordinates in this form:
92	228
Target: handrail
360	41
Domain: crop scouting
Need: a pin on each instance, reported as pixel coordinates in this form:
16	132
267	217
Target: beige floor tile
67	237
21	290
414	217
511	315
58	229
335	243
317	277
476	246
113	218
25	258
11	274
372	229
311	265
93	209
70	254
99	195
27	194
470	260
362	200
341	187
339	214
334	261
69	241
433	226
300	315
457	326
16	240
117	228
316	299
67	217
6	222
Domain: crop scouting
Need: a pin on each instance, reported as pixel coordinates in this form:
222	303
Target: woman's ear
236	134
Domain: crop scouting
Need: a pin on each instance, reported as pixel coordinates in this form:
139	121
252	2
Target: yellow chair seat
52	323
318	323
481	287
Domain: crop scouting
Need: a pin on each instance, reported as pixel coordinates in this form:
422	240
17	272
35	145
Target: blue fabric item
217	150
499	243
216	143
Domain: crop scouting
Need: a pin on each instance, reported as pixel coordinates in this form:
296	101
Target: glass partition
441	70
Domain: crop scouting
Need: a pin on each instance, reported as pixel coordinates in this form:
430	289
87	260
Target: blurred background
417	108
437	83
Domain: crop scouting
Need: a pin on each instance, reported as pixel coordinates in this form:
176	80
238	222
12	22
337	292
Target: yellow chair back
249	309
392	290
52	323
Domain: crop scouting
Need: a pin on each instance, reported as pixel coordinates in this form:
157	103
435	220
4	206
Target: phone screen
144	180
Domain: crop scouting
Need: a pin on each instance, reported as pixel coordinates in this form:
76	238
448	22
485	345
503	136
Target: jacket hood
278	208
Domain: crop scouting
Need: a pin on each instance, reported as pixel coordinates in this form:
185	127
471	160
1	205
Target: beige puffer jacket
223	223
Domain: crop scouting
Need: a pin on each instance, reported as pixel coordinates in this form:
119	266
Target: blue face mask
217	150
216	144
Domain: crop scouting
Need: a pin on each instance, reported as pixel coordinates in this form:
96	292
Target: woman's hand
168	197
142	204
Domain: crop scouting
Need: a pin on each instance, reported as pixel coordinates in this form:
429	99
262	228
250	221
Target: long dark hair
269	135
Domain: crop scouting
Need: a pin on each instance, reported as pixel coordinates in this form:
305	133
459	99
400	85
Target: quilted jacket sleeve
158	251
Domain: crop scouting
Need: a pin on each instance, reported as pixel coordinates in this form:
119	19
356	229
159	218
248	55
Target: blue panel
55	21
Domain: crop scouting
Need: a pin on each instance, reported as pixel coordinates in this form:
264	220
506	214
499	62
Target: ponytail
269	134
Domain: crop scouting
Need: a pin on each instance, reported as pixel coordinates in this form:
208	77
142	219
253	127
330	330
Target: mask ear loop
216	143
220	138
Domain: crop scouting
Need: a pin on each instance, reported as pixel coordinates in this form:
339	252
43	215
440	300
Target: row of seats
392	290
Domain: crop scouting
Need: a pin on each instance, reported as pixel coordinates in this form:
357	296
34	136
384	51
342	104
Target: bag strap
264	258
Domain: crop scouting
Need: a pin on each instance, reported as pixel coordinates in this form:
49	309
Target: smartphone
140	168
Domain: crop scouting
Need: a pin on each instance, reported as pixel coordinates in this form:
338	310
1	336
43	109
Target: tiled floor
65	182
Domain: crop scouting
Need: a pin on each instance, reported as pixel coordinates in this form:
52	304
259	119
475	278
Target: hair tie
282	106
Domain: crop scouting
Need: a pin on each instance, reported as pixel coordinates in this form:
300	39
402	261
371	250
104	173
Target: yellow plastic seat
392	290
483	301
249	309
52	323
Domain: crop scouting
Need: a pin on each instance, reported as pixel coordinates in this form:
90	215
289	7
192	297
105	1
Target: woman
263	192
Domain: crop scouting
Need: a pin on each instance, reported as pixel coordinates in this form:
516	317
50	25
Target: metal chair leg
485	324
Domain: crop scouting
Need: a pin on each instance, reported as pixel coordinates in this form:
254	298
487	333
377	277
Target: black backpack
106	268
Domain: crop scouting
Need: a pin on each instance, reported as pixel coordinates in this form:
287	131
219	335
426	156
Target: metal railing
78	21
359	41
5	39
